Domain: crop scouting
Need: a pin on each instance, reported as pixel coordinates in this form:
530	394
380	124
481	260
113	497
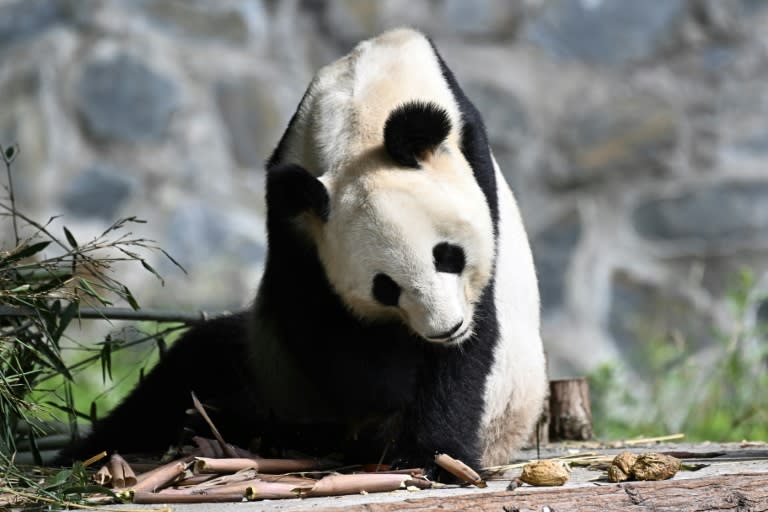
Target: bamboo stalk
231	465
228	450
460	470
671	437
156	498
337	485
196	480
122	474
160	477
103	476
216	479
294	480
260	490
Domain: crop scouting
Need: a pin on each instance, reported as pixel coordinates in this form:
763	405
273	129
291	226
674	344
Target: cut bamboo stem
122	474
337	485
156	498
460	470
160	477
207	465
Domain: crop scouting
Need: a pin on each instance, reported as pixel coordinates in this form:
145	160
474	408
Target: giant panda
398	312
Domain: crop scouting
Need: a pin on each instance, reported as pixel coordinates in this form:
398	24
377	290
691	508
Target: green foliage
715	395
106	372
46	281
41	489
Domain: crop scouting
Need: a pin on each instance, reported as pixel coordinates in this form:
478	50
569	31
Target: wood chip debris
645	466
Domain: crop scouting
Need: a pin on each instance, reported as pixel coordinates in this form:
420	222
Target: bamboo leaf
106	360
48	354
58	479
130	298
88	489
64	320
152	270
70	238
87	288
167	255
24	251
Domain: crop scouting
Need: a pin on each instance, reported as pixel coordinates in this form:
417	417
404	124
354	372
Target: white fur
517	384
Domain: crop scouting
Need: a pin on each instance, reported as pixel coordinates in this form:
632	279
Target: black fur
292	190
385	290
382	387
413	129
449	258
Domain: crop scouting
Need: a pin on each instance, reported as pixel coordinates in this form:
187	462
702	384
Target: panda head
401	229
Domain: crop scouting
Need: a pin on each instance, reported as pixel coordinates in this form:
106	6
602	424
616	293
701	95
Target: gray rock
719	19
552	251
123	100
348	21
199	234
607	32
484	18
718	273
23	122
720	213
100	191
21	19
753	6
623	137
506	120
198	20
251	112
642	314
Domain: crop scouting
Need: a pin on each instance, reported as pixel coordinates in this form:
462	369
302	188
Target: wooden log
570	412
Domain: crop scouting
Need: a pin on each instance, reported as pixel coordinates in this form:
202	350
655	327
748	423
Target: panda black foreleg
445	416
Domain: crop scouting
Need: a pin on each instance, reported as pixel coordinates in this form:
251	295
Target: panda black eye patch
385	290
449	258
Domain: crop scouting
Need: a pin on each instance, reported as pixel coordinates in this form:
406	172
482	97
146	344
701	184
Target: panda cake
398	313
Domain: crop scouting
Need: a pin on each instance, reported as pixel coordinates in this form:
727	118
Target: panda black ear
292	190
413	129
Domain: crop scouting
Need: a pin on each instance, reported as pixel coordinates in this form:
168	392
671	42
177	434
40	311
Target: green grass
720	395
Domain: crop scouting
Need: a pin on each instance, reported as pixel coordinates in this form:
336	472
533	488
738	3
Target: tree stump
570	412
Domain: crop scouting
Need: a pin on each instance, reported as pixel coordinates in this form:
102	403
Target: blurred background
633	133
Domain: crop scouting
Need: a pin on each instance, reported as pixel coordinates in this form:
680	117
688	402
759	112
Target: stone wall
634	133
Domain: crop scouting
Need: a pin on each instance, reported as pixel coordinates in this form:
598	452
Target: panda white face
402	228
413	243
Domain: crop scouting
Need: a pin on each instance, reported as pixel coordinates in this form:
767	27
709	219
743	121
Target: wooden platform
734	479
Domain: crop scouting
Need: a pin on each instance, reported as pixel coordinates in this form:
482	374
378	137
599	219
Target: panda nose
450	332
